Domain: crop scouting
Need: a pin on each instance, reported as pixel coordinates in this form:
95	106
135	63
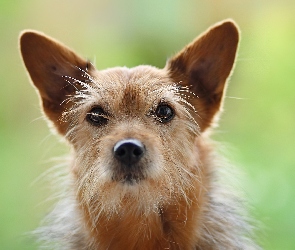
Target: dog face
124	137
134	131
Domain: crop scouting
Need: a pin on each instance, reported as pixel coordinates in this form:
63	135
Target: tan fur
172	199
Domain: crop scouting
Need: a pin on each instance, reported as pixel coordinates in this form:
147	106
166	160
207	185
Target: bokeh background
258	123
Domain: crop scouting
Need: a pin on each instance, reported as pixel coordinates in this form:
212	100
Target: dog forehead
130	86
140	77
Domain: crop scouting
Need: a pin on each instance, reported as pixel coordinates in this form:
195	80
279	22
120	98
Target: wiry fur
172	199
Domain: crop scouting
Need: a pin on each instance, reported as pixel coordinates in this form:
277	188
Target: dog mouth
129	178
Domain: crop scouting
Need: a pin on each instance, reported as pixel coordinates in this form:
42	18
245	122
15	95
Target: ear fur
204	66
48	62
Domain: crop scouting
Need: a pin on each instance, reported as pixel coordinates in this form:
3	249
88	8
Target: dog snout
129	151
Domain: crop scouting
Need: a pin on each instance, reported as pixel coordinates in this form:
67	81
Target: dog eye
164	113
97	117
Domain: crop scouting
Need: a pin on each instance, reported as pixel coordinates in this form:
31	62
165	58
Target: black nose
129	151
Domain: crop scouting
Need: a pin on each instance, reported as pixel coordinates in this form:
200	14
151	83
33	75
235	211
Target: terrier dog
144	172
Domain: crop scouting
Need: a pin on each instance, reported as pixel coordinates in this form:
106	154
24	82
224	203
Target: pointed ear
48	62
204	66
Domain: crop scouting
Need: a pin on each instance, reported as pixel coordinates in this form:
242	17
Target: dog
144	171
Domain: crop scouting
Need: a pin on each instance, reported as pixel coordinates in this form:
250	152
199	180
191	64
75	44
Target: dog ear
204	66
52	68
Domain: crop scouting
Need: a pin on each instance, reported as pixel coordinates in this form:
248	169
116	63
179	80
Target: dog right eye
97	117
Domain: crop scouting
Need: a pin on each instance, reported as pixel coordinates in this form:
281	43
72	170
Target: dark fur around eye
164	113
97	116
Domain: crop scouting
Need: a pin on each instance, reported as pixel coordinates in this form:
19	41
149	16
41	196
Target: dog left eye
164	113
97	117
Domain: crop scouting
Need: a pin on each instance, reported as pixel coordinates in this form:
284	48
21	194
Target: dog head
133	130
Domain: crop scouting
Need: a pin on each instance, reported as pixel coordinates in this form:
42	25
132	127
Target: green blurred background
258	122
